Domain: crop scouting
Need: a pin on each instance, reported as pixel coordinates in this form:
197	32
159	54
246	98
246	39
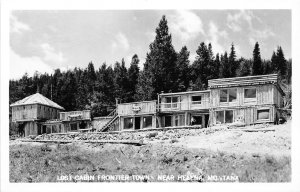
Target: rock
154	134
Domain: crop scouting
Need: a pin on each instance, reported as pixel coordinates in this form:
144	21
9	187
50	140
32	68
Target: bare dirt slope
276	142
252	156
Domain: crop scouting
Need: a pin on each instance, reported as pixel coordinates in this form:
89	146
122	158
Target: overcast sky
46	40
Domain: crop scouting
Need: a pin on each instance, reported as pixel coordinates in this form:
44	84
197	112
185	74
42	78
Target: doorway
206	119
137	123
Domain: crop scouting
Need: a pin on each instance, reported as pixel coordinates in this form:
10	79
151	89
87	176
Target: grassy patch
43	163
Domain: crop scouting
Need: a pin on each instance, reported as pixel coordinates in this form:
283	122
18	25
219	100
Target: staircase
114	116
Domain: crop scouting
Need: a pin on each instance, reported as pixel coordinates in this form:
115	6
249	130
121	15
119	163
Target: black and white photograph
139	95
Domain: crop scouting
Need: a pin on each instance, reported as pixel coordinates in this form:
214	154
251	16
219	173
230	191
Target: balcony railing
177	106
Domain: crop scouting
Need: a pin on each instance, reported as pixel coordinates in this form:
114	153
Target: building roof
243	81
187	92
37	99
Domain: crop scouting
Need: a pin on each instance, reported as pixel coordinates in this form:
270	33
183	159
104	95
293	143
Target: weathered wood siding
146	107
264	95
249	114
31	128
185	102
65	116
46	112
24	113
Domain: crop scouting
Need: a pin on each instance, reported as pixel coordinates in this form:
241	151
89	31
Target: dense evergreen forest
164	70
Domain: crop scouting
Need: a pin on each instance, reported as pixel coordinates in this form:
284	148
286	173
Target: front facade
184	109
36	115
244	100
248	100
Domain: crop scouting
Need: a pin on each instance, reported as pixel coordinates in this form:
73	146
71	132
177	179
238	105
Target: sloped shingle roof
37	99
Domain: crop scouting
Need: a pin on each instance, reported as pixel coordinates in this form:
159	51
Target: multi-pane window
225	116
171	102
128	123
147	122
263	114
228	95
250	93
196	99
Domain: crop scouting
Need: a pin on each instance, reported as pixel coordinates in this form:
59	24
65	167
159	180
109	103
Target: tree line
165	70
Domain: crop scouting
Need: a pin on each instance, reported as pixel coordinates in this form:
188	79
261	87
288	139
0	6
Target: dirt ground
251	156
277	143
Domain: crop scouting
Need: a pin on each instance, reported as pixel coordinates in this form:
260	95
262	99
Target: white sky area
46	40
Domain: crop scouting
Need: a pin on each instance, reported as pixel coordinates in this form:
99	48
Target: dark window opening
73	126
168	121
147	122
196	99
196	120
137	124
224	117
228	95
128	123
250	93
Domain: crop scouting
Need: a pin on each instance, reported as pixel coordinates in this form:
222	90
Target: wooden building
184	108
249	100
71	121
31	111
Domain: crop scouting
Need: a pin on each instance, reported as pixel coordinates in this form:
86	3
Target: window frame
172	105
227	95
144	121
132	119
196	102
262	109
224	116
250	98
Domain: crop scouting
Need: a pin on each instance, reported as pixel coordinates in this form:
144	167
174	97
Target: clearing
206	155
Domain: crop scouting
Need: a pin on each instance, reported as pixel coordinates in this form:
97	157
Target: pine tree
281	62
257	64
121	81
217	66
225	69
182	66
232	62
133	75
160	65
201	67
245	67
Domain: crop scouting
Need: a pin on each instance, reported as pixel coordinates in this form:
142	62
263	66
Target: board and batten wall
24	112
34	112
185	102
127	109
265	94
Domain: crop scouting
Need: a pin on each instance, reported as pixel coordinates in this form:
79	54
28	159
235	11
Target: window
263	114
147	122
179	120
171	102
128	123
196	120
73	126
168	121
250	93
225	116
220	116
228	95
196	99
